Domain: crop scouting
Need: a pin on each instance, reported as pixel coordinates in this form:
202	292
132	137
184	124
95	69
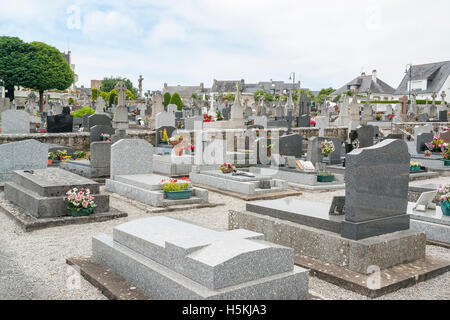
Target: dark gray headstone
423	117
337	206
226	113
96	131
443	116
60	123
315	155
98	120
366	134
304	121
376	195
291	145
84	122
421	140
160	133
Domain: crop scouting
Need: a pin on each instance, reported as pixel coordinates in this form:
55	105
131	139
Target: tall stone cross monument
237	111
404	103
367	111
120	120
140	85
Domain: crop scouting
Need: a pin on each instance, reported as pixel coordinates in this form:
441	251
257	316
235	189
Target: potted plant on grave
51	156
378	116
80	202
443	196
327	148
227	168
105	137
177	189
446	157
219	116
414	166
391	116
435	145
62	155
207	118
81	155
427	154
325	177
175	140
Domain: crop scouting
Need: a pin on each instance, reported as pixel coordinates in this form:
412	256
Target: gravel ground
33	265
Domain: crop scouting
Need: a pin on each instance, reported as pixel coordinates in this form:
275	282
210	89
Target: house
186	92
379	89
426	79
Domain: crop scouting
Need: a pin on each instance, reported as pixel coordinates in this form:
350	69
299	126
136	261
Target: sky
326	43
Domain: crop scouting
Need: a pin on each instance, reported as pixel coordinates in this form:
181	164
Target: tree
71	101
94	94
15	56
49	70
167	98
109	84
176	100
267	96
324	93
112	97
130	95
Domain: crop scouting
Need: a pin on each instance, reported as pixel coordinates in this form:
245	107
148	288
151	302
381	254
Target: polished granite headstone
421	140
60	123
377	181
291	145
366	134
315	154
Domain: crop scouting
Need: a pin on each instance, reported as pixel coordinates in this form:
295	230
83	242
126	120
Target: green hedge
83	111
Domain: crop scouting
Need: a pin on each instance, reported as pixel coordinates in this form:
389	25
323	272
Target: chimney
363	74
202	86
299	84
374	76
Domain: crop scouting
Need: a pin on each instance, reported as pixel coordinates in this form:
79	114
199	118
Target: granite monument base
432	222
172	166
85	169
41	192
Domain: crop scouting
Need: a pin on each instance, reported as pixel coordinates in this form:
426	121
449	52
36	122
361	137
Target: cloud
167	31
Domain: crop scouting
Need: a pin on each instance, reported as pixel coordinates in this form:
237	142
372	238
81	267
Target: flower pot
177	195
163	142
50	161
174	143
325	178
414	169
81	213
446	163
445	206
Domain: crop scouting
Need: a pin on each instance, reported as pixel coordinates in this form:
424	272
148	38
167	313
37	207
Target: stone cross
404	103
100	105
289	119
121	89
443	95
140	86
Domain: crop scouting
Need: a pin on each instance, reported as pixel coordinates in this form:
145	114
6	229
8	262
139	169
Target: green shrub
83	111
71	101
167	98
176	100
94	94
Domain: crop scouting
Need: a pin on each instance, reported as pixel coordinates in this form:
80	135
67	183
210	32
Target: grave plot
172	166
132	176
98	166
428	217
240	184
346	242
36	199
168	259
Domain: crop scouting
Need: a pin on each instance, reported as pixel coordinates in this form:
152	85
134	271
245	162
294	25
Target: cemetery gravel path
33	265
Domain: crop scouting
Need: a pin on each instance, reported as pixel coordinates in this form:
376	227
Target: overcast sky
326	43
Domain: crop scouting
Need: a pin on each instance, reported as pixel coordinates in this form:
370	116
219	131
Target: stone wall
82	140
400	128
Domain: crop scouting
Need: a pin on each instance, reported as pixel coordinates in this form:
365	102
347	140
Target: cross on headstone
404	102
443	95
121	89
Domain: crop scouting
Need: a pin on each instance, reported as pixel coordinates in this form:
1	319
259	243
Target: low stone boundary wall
409	126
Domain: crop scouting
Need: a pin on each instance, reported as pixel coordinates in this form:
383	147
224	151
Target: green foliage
267	96
51	70
71	101
174	186
194	96
79	113
94	94
104	95
325	174
323	94
112	95
109	84
176	99
229	96
167	98
15	61
130	95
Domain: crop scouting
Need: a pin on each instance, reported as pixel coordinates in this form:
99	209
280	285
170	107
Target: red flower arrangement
207	118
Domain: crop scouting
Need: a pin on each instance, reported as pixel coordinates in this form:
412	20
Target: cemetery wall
75	140
409	126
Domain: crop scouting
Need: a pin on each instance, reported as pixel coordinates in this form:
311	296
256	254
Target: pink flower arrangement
79	199
443	194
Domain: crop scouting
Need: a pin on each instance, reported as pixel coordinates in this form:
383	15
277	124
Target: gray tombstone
100	155
423	117
22	155
421	140
366	134
443	116
189	123
84	121
304	121
291	145
98	119
131	156
315	155
376	195
15	122
97	130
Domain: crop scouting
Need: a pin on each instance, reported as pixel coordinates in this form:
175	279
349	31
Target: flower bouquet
327	148
207	118
62	155
51	157
378	116
105	137
175	140
227	168
443	196
436	145
446	157
80	202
